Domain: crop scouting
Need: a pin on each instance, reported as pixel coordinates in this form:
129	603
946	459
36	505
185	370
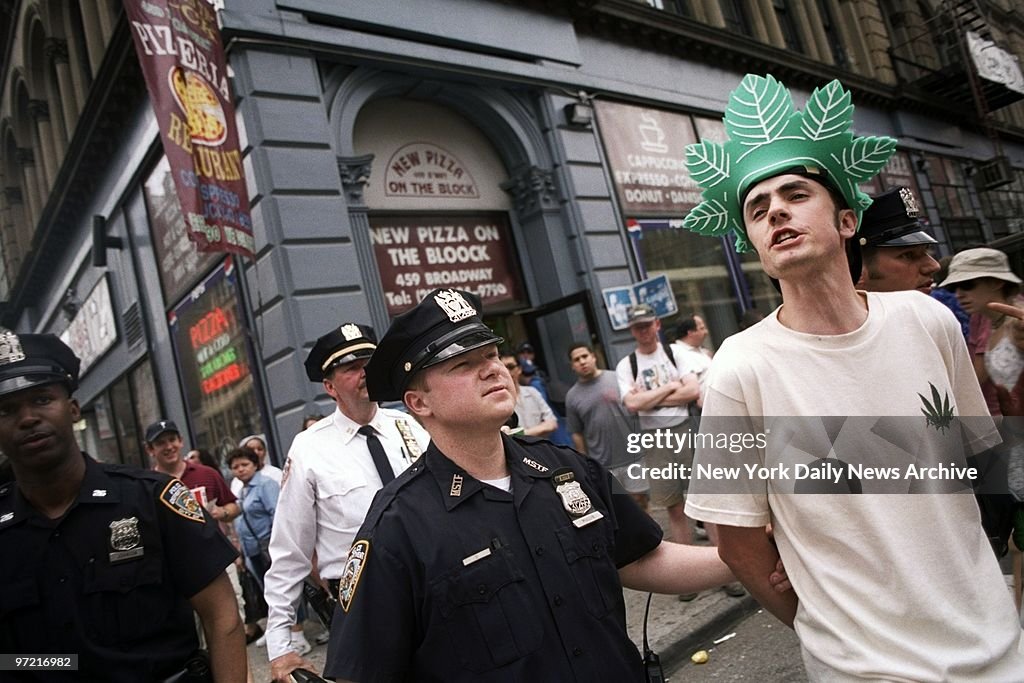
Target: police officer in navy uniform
492	558
103	561
896	250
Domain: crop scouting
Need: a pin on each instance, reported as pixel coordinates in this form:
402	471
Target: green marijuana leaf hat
768	136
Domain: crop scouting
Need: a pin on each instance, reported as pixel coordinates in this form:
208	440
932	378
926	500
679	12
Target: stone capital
532	189
354	172
39	110
56	50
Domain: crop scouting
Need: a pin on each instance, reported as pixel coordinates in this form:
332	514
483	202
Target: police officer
333	470
896	250
99	560
492	558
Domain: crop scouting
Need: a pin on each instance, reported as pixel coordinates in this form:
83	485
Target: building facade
530	151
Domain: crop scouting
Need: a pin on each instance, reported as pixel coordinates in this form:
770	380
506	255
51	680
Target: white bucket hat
972	264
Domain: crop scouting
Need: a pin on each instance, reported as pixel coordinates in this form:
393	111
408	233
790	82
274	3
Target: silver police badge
125	539
454	305
350	332
909	203
575	501
10	348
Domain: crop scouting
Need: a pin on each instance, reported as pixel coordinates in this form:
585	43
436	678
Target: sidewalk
675	629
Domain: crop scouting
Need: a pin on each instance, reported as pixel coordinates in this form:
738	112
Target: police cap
343	345
27	360
154	430
445	324
892	221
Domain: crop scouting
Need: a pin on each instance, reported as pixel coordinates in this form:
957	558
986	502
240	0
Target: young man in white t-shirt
898	583
659	391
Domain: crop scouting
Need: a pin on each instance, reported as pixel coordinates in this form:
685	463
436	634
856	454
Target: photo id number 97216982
19	662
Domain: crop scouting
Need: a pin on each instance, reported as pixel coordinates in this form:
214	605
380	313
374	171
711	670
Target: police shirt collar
522	461
97	487
454	483
350	428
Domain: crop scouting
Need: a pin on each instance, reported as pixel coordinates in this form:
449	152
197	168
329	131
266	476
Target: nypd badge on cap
28	360
893	220
341	345
445	324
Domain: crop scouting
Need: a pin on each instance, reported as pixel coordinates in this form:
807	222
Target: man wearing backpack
656	383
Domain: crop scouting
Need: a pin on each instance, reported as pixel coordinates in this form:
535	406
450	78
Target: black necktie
380	458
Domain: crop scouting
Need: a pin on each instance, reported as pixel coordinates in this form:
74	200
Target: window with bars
1004	207
953	202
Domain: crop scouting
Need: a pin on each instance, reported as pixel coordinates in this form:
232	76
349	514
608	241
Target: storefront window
698	269
111	426
180	263
215	362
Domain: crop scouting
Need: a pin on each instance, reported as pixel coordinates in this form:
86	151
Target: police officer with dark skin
103	561
492	558
896	251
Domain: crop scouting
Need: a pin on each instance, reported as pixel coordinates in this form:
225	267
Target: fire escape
967	73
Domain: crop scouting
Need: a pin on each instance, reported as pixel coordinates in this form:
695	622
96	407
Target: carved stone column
12	229
56	50
538	212
355	172
39	110
95	45
33	199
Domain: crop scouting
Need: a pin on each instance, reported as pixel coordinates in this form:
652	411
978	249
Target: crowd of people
485	529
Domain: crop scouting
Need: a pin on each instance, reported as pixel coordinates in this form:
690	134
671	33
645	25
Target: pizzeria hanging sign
179	49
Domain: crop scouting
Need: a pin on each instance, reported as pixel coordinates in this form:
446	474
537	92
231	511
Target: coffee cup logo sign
422	169
646	151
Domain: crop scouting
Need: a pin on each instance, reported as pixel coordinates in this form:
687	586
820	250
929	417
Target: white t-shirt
899	586
698	359
655	370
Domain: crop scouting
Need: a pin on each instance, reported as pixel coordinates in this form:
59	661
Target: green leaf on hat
708	163
709	218
867	156
759	111
827	113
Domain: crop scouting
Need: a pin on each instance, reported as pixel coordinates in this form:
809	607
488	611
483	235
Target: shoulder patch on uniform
179	498
349	581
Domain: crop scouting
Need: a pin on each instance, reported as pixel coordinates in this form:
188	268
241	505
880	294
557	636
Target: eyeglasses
966	285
